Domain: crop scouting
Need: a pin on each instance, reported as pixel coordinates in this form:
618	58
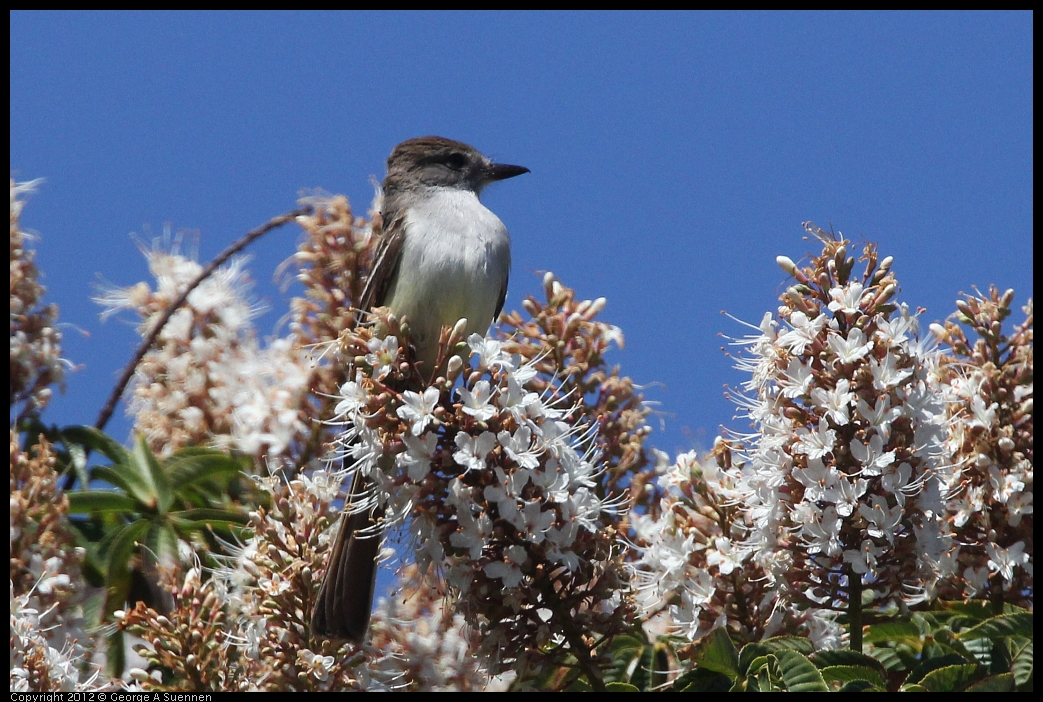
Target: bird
443	257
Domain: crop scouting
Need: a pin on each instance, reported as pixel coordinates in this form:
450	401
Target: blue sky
673	156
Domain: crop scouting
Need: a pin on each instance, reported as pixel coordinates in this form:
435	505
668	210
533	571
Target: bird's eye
456	161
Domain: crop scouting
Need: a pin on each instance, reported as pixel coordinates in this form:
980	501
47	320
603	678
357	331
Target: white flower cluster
219	384
847	464
536	472
694	574
842	484
36	362
423	645
671	571
35	664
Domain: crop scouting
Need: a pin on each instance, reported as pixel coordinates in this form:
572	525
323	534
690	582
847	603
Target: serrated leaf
921	669
958	647
847	657
977	609
625	650
980	650
1021	665
626	642
757	649
889	658
1005	625
756	664
850	673
950	678
1004	682
892	632
800	644
798	673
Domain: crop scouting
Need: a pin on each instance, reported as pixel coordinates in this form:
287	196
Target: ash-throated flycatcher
443	257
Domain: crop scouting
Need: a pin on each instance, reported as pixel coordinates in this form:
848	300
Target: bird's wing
385	266
503	298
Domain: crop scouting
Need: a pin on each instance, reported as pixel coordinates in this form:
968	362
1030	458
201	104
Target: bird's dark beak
502	171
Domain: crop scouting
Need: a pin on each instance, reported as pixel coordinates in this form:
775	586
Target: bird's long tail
346	597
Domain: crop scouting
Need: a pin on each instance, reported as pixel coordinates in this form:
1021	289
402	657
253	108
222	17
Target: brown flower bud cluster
989	516
245	626
47	589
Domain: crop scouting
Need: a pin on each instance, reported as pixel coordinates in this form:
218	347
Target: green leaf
1021	665
115	653
162	542
95	440
927	665
851	673
893	632
620	687
625	650
89	501
127	480
1004	682
972	654
149	468
950	678
757	649
642	675
978	609
579	685
194	465
700	680
1003	626
717	653
800	674
661	666
196	518
847	657
890	659
118	566
627	644
78	460
756	672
